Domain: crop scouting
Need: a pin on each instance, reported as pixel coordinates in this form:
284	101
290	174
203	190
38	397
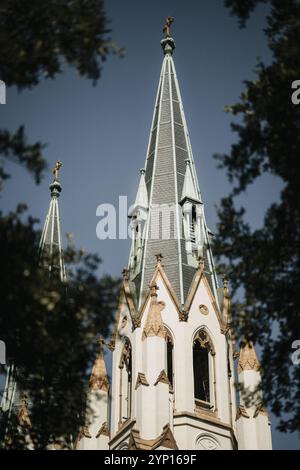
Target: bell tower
172	346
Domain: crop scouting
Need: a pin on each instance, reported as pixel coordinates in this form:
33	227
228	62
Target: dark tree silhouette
49	329
264	264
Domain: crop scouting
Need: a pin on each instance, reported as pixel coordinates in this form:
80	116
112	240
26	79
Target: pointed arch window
193	222
125	393
203	366
170	358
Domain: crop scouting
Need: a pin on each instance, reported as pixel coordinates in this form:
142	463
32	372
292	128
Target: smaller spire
154	325
189	190
98	379
24	418
142	194
51	247
248	358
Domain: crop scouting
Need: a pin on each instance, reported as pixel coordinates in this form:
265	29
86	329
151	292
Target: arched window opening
170	362
203	369
125	383
193	227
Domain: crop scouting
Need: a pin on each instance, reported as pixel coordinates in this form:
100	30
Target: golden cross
167	26
56	169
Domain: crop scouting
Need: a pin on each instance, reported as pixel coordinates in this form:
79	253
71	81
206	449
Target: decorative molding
125	356
248	359
165	439
200	275
159	271
154	325
122	430
136	322
141	380
99	383
163	378
98	379
241	411
260	410
203	309
24	418
84	432
103	431
183	315
204	339
208	442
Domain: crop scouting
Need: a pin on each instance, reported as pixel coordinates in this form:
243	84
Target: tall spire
167	178
51	247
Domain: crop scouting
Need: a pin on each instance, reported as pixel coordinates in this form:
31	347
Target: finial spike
200	262
153	289
159	258
125	273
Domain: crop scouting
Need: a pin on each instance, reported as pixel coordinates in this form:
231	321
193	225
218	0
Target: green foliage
49	332
14	148
36	42
37	39
264	264
49	328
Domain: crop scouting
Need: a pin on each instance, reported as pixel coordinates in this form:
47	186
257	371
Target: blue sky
101	132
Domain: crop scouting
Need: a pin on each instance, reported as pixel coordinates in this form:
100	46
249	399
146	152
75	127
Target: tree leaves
264	264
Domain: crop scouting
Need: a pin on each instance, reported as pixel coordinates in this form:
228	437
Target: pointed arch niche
170	358
204	371
125	386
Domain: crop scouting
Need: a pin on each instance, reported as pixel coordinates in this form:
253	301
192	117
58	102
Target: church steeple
51	246
169	179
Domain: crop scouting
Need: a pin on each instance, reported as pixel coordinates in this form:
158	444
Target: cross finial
201	262
159	258
225	281
167	26
56	169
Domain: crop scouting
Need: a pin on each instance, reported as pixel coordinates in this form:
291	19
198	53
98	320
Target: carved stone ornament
208	443
163	378
141	380
103	431
183	315
203	309
154	325
260	410
204	340
24	418
84	432
241	411
136	322
248	359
